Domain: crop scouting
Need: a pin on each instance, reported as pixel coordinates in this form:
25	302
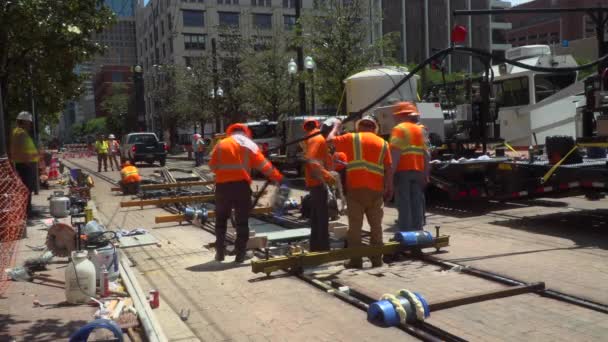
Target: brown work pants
369	203
113	157
102	157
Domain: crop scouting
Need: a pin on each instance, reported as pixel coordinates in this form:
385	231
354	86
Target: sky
518	2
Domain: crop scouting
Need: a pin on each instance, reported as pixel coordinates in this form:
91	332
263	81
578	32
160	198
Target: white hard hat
111	136
25	116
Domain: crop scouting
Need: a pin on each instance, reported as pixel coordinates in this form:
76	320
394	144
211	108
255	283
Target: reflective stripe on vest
358	163
405	146
244	165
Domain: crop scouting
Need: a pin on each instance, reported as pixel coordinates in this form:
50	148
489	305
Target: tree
231	49
194	84
116	105
335	36
42	42
266	83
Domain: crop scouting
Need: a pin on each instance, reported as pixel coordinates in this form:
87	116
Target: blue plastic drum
383	312
414	238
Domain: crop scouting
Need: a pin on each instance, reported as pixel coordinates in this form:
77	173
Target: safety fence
77	151
13	210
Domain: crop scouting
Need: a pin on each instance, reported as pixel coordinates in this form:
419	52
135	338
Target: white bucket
79	279
108	257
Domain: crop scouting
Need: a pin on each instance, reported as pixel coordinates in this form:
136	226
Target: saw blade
61	239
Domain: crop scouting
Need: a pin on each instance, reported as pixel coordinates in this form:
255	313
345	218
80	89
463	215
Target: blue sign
565	43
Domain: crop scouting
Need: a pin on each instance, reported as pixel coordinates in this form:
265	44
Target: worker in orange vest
409	151
368	181
232	159
317	177
130	178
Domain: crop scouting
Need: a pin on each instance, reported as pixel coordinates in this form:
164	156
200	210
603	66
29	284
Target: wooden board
137	240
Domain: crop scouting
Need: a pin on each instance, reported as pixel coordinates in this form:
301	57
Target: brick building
550	28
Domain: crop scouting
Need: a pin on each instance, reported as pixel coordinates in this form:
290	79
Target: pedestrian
232	159
114	152
129	178
24	155
101	147
199	150
411	166
317	177
368	182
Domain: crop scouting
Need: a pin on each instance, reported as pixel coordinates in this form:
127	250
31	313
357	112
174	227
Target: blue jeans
409	197
198	158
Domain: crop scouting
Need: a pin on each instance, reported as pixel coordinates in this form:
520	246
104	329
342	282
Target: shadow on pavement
492	256
214	266
587	228
39	330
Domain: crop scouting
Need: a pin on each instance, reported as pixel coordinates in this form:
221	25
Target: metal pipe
470	36
404	32
300	58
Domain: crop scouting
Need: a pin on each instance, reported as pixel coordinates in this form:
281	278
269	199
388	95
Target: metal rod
210	214
187	199
530	10
171	185
489	295
300	58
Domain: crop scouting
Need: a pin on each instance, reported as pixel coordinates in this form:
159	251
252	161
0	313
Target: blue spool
383	312
202	215
82	334
425	305
189	213
414	238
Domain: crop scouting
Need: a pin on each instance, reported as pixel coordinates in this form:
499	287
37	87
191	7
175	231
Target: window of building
117	76
193	18
170	45
261	3
229	19
289	22
546	85
194	41
164	51
169	23
262	21
162	28
512	92
289	3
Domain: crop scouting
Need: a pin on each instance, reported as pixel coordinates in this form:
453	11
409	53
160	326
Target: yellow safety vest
101	147
23	149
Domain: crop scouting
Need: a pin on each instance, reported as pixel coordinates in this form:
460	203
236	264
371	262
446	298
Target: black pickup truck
143	147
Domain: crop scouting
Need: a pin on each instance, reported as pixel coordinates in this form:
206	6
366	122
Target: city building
106	79
175	32
425	26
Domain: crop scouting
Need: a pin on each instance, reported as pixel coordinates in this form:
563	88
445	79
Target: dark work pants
27	173
228	196
319	219
102	157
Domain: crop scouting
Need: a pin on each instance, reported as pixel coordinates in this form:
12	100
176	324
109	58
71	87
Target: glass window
512	92
268	3
289	22
253	3
193	18
263	130
262	21
229	19
194	41
547	85
117	76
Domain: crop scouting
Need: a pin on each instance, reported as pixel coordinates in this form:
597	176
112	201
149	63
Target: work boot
354	263
219	255
376	261
241	256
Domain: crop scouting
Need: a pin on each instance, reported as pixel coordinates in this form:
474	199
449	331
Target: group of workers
373	168
107	149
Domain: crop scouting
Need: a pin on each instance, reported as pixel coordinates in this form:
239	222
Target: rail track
361	300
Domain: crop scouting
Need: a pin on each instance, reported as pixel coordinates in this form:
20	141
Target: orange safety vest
368	156
408	138
318	160
130	174
232	162
340	161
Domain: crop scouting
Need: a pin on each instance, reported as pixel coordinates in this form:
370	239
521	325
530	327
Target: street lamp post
309	63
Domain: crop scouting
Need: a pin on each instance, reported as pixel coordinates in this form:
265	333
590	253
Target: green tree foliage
267	86
41	43
231	51
194	84
116	105
336	37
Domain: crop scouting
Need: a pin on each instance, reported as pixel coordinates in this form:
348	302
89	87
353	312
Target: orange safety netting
13	210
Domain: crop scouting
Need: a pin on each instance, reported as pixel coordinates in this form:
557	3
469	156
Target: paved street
560	242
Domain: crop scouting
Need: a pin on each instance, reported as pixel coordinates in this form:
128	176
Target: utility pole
300	58
218	123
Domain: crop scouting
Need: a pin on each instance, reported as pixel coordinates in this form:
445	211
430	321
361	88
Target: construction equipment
169	200
170	185
297	262
181	217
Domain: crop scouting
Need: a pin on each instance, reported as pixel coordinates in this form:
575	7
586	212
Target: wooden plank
169	200
211	214
137	240
483	296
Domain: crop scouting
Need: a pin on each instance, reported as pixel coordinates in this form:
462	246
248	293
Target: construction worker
368	181
411	166
24	154
199	149
101	147
114	151
130	178
232	159
317	177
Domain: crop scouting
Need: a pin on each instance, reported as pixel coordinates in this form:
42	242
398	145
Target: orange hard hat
308	121
236	127
405	108
126	163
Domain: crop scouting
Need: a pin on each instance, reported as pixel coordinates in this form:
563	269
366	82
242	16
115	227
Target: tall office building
174	32
424	27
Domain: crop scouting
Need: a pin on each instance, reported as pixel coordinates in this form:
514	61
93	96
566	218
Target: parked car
146	147
264	133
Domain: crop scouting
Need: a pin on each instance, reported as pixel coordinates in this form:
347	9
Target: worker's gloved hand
330	180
